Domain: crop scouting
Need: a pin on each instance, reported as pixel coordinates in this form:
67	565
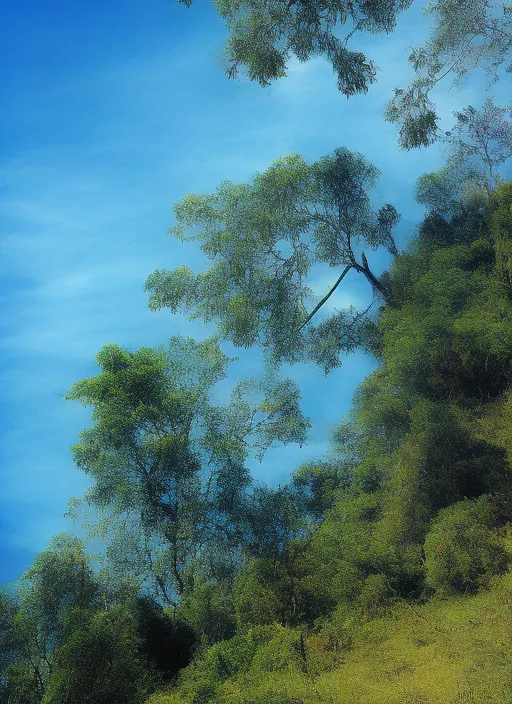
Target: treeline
412	502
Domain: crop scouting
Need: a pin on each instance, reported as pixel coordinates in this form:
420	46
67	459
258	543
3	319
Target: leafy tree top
168	466
264	238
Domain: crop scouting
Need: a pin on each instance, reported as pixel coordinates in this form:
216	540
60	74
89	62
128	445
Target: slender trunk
325	298
176	573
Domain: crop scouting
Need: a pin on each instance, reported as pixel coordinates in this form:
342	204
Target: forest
380	573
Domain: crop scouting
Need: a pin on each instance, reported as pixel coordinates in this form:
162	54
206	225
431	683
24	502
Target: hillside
452	651
392	598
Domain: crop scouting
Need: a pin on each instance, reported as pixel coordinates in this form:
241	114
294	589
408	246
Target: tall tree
168	465
264	238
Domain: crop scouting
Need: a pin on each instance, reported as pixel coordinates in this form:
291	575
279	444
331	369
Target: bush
375	596
461	551
209	609
256	604
286	651
199	682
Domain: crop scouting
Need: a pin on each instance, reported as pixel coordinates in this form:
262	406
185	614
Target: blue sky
111	113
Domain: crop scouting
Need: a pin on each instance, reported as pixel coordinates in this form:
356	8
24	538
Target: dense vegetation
380	574
313	580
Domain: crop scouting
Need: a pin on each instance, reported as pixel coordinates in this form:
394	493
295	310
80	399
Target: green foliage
376	595
225	659
477	146
255	601
462	553
452	336
284	652
416	130
464	36
210	610
264	238
501	230
257	655
309	592
21	683
22	673
98	662
276	590
60	579
482	140
168	466
65	640
412	445
447	651
274	518
318	484
35	622
452	190
265	35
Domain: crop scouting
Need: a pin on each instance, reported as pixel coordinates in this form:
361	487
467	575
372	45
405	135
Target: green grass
452	651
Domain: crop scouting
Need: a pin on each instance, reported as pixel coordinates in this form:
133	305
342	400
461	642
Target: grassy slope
454	651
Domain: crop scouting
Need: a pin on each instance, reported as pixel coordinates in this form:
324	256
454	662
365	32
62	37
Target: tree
60	578
264	238
98	661
21	677
169	467
117	654
316	485
209	609
481	141
33	624
274	518
465	35
501	229
66	638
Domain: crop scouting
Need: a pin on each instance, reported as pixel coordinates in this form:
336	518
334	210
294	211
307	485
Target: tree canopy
264	34
264	239
464	36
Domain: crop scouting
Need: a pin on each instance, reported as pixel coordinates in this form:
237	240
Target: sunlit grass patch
448	651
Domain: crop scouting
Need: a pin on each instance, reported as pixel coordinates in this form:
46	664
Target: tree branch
365	270
325	298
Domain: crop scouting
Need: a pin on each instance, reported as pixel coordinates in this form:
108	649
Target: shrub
461	551
255	603
209	609
375	596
